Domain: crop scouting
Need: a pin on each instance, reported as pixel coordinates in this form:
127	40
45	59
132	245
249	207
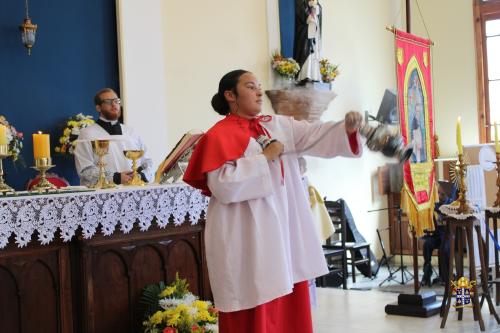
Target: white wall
450	24
141	50
174	54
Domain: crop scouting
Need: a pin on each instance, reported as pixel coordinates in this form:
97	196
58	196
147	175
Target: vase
284	82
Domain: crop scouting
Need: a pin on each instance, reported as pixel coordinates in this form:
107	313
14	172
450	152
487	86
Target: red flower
197	329
169	330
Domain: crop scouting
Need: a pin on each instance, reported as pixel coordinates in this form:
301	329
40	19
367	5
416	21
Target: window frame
483	11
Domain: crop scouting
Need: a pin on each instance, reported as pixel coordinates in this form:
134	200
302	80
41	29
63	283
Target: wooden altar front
90	280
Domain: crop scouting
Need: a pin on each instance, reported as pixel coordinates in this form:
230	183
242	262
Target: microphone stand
402	268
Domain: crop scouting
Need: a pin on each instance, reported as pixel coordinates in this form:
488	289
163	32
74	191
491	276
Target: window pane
494	94
492	27
493	49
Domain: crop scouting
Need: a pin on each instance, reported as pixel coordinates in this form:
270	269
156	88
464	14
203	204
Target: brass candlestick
4	153
463	207
101	148
497	201
134	155
42	165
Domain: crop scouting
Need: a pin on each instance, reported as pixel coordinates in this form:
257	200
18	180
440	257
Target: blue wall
287	26
74	56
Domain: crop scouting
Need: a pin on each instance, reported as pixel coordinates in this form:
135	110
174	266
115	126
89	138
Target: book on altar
173	166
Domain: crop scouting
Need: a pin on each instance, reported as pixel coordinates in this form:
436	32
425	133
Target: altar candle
497	147
3	135
41	145
459	137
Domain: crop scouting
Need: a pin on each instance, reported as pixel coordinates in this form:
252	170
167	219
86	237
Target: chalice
134	155
4	153
42	164
101	148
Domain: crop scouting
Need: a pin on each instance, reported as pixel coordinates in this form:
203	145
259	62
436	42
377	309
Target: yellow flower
67	132
203	315
174	319
156	318
167	292
201	305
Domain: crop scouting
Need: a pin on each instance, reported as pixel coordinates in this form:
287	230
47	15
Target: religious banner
416	120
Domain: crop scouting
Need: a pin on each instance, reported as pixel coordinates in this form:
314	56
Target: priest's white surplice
86	160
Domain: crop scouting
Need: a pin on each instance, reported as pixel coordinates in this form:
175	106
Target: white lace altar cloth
122	207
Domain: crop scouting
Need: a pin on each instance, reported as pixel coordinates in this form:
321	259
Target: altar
77	262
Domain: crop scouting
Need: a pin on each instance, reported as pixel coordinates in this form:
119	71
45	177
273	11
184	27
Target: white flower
211	328
75	131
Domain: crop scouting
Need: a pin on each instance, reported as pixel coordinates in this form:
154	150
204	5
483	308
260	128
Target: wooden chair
336	260
336	210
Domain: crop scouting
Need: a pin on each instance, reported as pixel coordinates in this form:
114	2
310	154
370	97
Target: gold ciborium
42	165
134	155
101	148
4	153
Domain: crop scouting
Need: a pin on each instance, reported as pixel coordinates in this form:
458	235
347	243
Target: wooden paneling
35	289
115	271
107	274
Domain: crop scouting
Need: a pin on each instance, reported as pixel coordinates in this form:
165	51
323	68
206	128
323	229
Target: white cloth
86	160
260	236
476	196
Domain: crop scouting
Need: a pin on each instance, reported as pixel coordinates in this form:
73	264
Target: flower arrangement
286	67
70	133
328	70
14	139
173	309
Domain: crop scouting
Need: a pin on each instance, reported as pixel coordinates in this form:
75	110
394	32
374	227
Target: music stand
402	268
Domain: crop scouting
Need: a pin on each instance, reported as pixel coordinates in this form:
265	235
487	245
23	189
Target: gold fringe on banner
420	216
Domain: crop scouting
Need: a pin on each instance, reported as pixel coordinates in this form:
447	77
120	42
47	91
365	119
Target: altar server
261	246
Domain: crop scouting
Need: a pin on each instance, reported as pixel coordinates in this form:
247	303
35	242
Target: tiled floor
356	311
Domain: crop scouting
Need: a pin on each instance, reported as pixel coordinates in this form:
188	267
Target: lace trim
123	207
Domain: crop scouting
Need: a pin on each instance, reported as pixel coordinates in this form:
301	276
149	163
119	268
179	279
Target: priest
118	167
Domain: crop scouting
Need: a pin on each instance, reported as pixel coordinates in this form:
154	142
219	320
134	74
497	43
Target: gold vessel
101	148
134	155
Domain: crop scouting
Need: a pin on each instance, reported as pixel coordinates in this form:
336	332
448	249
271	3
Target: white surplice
260	237
86	160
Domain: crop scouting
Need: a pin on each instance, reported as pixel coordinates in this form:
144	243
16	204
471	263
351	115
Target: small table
493	213
463	229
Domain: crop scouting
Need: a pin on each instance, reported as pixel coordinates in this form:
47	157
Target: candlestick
42	165
497	147
497	201
41	145
459	137
4	153
462	187
3	135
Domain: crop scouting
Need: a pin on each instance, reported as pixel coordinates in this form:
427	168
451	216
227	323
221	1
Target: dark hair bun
220	104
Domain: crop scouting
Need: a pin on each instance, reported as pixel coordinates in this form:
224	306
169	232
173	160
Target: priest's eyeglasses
111	101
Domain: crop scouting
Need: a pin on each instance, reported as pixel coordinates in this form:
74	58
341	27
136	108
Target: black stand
422	304
385	260
405	274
